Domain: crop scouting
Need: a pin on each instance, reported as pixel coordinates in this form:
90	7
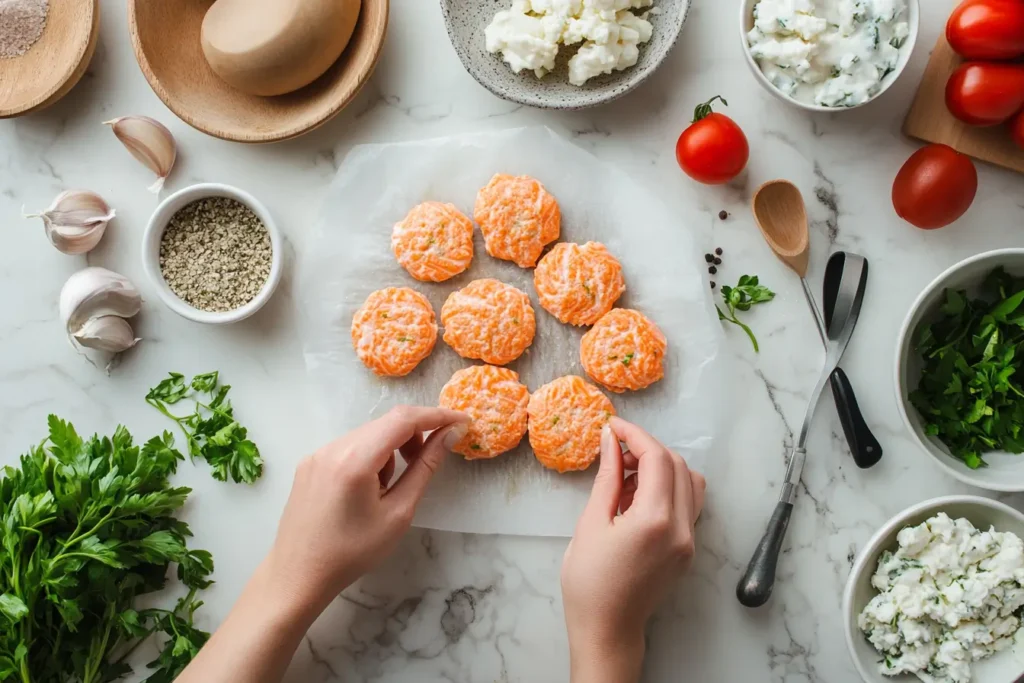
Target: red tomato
713	150
1017	129
935	187
987	29
985	93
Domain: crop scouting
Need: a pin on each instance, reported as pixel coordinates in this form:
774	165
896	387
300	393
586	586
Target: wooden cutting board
929	120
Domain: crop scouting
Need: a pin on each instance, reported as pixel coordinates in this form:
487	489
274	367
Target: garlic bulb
106	333
150	142
76	221
92	302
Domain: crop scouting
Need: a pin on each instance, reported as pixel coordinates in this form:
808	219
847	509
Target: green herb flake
476	447
404	339
555	420
628	359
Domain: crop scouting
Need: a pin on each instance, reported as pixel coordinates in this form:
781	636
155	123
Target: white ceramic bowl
1005	471
151	251
982	513
747	22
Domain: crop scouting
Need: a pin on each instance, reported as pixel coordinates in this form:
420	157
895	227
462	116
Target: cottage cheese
530	33
832	53
949	596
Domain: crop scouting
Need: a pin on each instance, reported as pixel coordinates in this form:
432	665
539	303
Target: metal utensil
756	584
781	216
863	445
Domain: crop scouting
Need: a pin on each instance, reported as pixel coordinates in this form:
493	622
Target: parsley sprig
86	528
211	429
747	293
971	392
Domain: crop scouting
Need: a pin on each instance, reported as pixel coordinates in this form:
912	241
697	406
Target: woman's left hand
344	516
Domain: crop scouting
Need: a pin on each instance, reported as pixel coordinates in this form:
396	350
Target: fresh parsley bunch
212	431
86	527
747	293
970	393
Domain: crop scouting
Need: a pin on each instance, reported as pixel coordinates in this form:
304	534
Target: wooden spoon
782	218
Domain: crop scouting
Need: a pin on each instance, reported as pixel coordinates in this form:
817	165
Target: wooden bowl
165	35
56	63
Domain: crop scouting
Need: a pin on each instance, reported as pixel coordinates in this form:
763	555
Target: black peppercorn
712	285
712	270
717	261
709	258
723	214
718	251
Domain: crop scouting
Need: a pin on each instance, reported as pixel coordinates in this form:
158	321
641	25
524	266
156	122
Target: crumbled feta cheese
948	596
528	35
833	53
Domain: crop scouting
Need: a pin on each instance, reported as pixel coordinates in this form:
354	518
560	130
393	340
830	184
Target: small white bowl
1005	471
981	512
151	251
747	23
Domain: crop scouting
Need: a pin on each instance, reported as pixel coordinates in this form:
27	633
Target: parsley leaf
747	293
970	394
212	431
87	528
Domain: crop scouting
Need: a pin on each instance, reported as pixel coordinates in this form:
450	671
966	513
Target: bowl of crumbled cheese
563	54
828	55
937	594
213	252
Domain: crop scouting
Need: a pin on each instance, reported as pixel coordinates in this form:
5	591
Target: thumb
604	498
411	486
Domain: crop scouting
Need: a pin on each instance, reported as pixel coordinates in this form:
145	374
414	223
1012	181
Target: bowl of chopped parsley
960	370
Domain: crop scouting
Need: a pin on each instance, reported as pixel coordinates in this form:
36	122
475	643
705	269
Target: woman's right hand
635	537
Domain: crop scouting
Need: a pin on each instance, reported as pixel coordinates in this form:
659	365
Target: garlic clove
75	221
106	333
96	292
150	142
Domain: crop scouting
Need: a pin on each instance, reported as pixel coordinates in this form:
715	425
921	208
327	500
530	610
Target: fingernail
454	435
607	440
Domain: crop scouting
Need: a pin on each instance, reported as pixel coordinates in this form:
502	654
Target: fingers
604	497
385	474
410	450
683	492
628	492
699	485
410	487
655	468
388	433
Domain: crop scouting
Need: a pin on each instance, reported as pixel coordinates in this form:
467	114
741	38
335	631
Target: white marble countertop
476	608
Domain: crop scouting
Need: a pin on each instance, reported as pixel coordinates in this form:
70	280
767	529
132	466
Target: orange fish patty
578	284
517	217
489	320
434	242
624	351
394	330
566	419
496	400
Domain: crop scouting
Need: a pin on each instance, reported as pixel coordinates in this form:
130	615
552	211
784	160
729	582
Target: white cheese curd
949	595
832	53
529	34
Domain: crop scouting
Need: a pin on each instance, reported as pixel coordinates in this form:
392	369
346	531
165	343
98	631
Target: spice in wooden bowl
215	254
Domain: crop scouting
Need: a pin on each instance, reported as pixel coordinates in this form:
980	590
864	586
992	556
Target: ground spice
215	254
21	24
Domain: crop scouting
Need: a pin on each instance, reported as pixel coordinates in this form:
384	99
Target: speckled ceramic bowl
467	19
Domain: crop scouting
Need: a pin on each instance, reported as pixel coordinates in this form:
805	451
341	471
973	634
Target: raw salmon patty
624	351
566	419
488	320
517	217
578	284
434	242
496	400
394	330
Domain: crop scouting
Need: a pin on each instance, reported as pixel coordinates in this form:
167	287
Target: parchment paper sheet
350	256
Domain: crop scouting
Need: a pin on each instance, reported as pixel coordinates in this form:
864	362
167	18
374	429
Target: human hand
617	569
342	519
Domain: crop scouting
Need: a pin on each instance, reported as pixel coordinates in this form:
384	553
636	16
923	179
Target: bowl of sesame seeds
213	252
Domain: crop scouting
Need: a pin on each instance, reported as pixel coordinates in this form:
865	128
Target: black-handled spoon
863	445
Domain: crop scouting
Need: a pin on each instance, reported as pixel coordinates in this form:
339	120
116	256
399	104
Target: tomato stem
705	110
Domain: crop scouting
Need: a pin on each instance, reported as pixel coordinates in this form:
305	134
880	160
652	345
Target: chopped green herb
628	359
746	294
404	339
587	289
476	447
555	420
613	357
970	394
211	429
